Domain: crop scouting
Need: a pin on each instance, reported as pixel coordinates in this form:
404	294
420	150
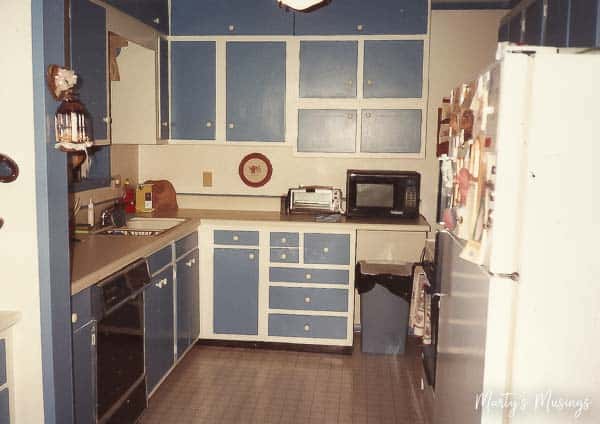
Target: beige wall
462	44
19	285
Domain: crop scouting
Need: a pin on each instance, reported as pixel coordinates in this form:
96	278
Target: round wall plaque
255	170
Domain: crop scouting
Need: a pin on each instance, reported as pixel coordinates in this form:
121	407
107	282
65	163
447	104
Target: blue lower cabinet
326	131
534	24
160	259
256	91
557	23
88	60
285	255
393	69
235	291
188	312
84	374
328	69
308	299
3	363
159	319
308	275
360	17
193	79
5	406
308	326
331	249
391	131
163	78
584	25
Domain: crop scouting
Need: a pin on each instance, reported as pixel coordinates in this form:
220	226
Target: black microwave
392	194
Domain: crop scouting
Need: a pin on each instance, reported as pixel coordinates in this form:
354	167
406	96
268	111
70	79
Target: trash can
385	292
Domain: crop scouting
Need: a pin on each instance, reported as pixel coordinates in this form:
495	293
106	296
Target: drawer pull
284	240
326	250
359	27
191	262
306	328
161	283
308	276
251	256
236	238
307	299
283	256
231	28
74	318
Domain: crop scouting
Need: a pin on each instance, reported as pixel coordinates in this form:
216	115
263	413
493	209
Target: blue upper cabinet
193	90
255	91
151	12
328	68
326	131
361	17
163	78
88	60
534	24
235	17
391	131
584	26
557	23
393	69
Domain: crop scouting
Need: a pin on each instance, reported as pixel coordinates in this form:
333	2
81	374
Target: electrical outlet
207	179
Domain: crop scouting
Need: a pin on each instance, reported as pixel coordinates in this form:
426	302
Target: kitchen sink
143	227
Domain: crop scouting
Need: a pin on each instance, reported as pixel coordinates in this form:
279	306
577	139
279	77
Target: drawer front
308	299
327	249
285	240
160	259
2	362
186	244
317	327
306	275
236	238
283	255
81	308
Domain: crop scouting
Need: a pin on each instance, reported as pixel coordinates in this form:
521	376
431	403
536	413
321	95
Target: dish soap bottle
90	212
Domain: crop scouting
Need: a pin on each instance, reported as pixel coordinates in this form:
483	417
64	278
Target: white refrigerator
519	328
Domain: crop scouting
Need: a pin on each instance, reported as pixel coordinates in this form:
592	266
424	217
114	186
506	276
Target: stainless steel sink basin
143	227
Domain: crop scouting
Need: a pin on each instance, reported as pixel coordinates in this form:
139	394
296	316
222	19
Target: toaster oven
314	200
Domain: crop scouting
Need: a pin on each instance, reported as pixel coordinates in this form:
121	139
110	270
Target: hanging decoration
71	121
255	170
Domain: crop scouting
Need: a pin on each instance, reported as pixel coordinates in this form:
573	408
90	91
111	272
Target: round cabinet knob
156	20
307	299
369	82
251	256
283	256
306	327
74	318
231	125
164	124
236	238
308	276
326	250
360	27
284	240
106	119
231	28
163	282
208	124
350	82
368	114
350	116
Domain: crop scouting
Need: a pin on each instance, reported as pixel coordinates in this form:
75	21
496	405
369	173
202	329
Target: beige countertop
8	319
96	257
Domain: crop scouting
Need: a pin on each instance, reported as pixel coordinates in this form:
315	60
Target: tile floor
227	385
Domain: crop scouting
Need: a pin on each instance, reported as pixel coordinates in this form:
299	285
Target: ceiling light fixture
300	4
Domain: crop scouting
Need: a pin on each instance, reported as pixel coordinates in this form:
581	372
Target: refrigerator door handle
439	295
512	276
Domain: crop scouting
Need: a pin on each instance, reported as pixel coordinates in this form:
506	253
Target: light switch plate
207	179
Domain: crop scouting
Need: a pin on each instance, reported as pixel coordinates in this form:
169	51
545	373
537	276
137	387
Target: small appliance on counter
391	194
143	198
314	200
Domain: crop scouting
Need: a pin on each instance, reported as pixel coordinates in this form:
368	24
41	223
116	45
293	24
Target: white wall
19	285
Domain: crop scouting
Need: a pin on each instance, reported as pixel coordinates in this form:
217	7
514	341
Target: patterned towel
420	306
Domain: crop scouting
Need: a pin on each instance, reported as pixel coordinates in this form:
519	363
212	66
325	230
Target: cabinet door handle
190	263
164	124
326	250
283	240
360	27
156	20
307	299
251	256
306	328
74	318
161	283
308	276
236	238
231	28
231	125
283	256
208	124
369	82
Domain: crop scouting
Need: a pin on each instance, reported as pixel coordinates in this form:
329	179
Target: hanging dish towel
420	306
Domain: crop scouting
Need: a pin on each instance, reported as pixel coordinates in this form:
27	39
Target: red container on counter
129	198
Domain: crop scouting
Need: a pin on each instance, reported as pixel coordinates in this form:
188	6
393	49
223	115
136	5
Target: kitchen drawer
327	249
236	238
284	255
81	308
318	327
2	362
306	275
160	259
308	299
285	240
186	244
